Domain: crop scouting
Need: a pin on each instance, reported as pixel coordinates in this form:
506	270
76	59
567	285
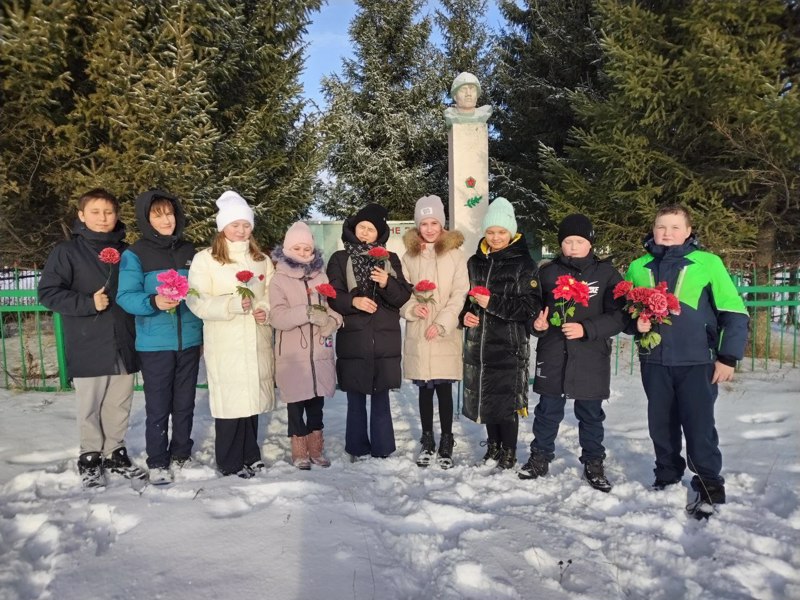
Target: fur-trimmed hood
293	268
449	240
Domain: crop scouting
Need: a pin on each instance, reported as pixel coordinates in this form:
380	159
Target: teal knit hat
501	214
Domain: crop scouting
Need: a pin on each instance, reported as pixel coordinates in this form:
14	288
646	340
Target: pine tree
700	113
466	40
192	97
549	50
36	80
384	126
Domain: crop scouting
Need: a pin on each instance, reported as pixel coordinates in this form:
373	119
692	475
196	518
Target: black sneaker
593	473
537	466
428	448
708	494
256	466
90	467
493	450
445	457
119	463
508	458
243	473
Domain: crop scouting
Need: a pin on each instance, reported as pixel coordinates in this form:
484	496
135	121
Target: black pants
547	417
444	392
236	444
313	411
682	399
170	379
505	432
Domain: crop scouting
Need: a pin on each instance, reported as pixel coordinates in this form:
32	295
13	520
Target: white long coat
443	263
237	350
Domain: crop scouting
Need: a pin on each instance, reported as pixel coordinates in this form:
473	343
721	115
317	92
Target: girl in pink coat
305	367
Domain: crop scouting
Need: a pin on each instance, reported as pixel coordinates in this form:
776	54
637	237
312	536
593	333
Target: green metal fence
32	350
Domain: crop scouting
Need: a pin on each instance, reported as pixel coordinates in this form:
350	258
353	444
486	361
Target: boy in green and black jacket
697	351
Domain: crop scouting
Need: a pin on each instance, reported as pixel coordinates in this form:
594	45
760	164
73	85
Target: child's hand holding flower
480	295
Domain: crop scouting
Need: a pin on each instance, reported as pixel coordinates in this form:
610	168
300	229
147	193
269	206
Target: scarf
362	265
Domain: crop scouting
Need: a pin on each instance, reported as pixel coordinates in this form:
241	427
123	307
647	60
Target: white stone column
468	180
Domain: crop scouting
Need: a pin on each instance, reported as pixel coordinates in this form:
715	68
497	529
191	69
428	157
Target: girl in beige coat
432	348
237	339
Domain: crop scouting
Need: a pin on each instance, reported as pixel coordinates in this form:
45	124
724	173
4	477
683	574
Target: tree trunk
765	254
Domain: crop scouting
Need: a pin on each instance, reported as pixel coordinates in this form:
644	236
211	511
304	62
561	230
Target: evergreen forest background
607	107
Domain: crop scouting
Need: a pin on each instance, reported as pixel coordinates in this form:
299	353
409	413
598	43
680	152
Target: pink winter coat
305	364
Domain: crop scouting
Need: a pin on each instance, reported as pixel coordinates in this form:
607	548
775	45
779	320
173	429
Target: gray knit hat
427	207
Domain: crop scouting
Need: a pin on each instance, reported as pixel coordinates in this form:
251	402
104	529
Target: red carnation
622	288
110	256
244	276
421	290
478	290
379	253
326	289
243	290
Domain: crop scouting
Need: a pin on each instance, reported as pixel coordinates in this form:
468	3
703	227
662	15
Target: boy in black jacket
573	360
79	281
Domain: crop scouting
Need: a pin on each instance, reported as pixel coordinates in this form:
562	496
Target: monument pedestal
468	180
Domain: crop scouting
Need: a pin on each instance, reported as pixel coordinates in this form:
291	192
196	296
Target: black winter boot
537	466
594	473
428	448
90	467
445	458
709	493
492	450
508	458
119	463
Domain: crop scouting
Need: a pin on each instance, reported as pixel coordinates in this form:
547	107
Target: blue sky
328	41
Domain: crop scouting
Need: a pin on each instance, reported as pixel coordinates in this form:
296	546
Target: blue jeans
547	417
380	441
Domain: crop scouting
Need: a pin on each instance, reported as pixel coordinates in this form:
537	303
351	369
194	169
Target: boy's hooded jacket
444	264
152	254
713	320
368	347
496	352
305	365
95	341
581	368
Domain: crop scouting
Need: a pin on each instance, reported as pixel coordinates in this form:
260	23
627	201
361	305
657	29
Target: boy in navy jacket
697	351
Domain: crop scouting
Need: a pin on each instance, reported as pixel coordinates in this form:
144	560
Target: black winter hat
375	214
576	225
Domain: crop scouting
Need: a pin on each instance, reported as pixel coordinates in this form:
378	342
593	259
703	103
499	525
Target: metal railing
33	357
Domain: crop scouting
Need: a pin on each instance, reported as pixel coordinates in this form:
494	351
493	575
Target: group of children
261	326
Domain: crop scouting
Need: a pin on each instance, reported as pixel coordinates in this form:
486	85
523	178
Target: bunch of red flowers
569	291
654	304
421	289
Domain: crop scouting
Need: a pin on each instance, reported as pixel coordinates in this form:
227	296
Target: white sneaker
161	476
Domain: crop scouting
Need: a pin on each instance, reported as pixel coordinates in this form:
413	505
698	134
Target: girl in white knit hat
231	279
432	346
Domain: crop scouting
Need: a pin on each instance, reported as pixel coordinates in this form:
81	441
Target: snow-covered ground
386	529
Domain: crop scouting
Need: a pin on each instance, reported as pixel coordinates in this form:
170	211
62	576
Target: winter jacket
580	368
496	352
141	264
95	341
368	346
305	366
444	264
713	320
237	350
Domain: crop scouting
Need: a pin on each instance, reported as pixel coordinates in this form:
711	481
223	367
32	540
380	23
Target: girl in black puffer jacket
496	351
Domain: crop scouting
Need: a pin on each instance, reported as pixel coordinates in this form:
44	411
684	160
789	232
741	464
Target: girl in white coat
237	338
432	349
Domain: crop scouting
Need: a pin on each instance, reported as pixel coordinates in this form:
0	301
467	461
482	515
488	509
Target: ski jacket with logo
580	368
713	320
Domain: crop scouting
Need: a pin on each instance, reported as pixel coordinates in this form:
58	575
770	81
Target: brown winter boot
300	453
316	445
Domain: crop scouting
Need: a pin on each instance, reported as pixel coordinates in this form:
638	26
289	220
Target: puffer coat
305	365
444	264
368	346
95	341
581	368
237	350
496	352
